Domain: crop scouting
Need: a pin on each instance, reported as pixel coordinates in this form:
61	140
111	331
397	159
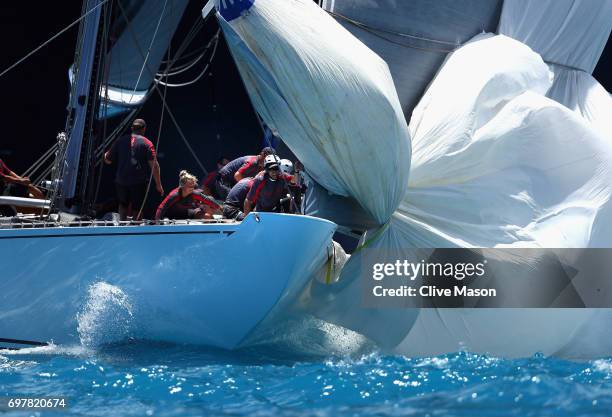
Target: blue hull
195	283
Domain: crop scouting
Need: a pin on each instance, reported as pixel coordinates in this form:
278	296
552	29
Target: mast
82	109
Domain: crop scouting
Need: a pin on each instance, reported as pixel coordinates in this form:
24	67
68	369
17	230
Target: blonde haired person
184	202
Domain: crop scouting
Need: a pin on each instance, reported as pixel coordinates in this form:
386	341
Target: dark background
215	113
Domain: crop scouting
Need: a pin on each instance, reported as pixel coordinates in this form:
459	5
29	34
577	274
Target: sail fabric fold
330	98
567	32
414	37
494	162
580	92
570	35
501	164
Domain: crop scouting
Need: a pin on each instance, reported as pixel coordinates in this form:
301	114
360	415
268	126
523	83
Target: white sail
495	162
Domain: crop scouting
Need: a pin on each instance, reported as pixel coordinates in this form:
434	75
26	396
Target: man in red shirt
239	168
133	153
268	188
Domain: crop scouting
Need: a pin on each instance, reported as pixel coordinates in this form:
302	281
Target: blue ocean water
153	379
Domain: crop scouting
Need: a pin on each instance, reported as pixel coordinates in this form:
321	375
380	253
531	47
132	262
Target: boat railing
36	222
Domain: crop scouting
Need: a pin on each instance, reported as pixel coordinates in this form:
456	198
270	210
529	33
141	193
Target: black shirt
132	153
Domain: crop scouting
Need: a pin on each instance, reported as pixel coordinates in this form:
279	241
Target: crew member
132	153
239	168
267	189
185	203
15	185
208	185
291	204
234	203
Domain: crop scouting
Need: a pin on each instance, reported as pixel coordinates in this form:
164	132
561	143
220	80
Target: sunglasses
273	169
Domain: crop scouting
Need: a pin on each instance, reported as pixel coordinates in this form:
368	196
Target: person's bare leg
35	192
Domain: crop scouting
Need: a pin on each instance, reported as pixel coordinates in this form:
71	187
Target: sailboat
366	86
200	282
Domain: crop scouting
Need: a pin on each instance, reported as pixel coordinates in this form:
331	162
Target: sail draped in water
495	162
499	165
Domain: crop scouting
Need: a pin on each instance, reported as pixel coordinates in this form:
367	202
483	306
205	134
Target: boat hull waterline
195	283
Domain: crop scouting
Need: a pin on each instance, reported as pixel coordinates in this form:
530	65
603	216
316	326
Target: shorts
133	194
13	190
16	190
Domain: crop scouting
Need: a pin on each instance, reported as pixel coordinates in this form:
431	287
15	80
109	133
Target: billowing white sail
329	97
414	37
495	163
570	36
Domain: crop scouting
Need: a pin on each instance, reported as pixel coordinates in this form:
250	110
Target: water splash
107	316
309	336
8	365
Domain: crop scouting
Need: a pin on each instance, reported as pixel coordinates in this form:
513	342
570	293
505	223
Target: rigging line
204	71
185	67
404	35
105	123
146	57
182	135
99	152
157	89
182	69
159	131
40	161
184	57
569	67
120	127
179	54
195	28
376	33
42	45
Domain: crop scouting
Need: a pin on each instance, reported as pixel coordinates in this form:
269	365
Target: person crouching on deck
185	203
234	203
268	188
208	184
239	168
